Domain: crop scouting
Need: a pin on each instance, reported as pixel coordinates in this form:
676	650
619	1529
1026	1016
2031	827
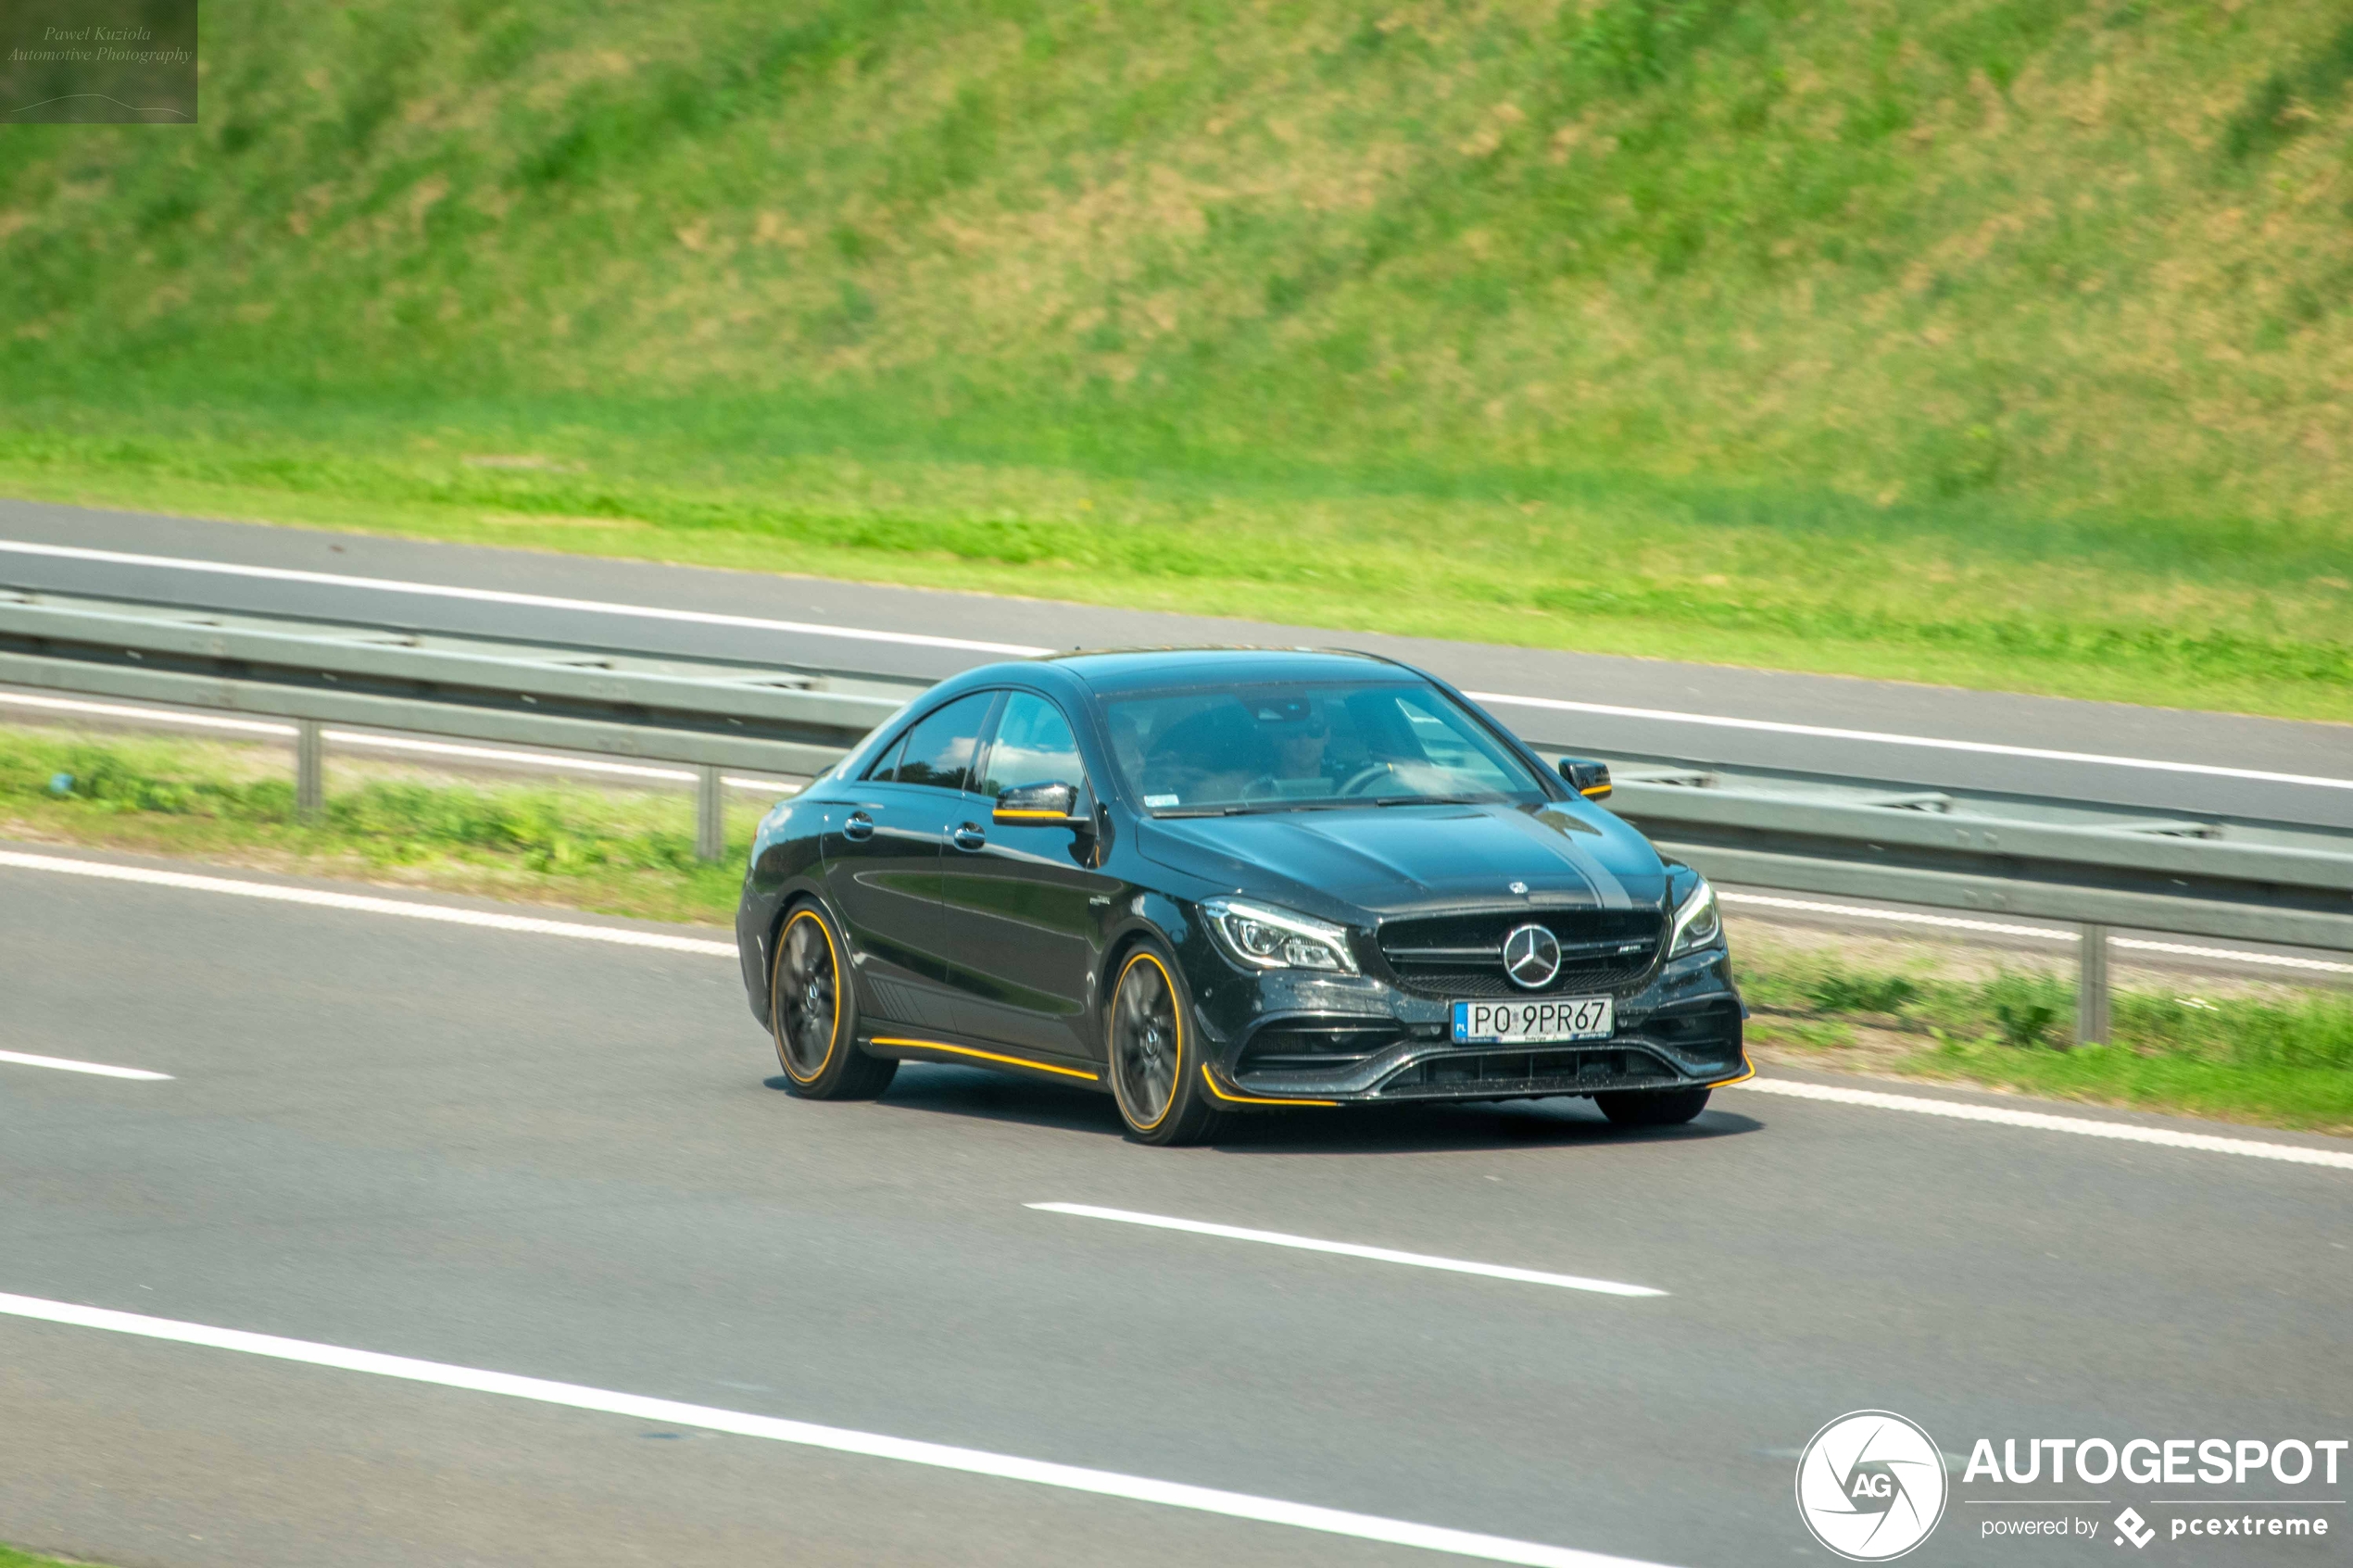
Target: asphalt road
560	1158
1668	696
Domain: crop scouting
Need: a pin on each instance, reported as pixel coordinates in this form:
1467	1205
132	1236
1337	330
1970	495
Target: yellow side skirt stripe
1253	1099
986	1056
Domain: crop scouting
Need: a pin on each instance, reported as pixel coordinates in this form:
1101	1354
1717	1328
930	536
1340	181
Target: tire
1154	1068
1652	1108
813	1015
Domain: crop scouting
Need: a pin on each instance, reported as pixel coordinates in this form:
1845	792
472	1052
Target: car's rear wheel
813	1013
1155	1073
1652	1108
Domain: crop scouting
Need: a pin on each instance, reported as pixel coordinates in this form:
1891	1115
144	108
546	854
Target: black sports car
1228	879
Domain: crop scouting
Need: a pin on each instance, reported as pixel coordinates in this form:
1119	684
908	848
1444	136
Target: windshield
1299	747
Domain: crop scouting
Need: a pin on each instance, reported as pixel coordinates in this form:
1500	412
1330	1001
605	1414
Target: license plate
1571	1017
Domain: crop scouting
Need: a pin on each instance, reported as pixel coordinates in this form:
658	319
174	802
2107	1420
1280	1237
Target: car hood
1383	860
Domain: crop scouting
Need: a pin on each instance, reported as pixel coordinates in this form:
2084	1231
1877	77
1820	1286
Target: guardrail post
710	814
310	769
2091	987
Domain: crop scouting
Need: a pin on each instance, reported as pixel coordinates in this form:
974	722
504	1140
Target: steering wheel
1357	782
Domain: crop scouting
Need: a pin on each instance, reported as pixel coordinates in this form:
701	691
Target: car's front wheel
1652	1108
1155	1068
813	1013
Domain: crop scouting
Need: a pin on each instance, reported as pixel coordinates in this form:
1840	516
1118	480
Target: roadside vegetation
1989	342
11	1558
2252	1053
622	852
2265	1054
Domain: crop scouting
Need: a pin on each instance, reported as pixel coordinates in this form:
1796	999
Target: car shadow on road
1373	1129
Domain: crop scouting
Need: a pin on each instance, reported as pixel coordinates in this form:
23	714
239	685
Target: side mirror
1039	805
1587	777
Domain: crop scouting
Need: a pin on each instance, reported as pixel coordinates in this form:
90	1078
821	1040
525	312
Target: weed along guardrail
2096	867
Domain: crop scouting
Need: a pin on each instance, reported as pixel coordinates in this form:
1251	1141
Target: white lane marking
837	1439
1900	917
1348	1249
726	949
498	597
98	1069
2041	1121
2278	960
384	743
2038	933
1881	737
1020	650
364	905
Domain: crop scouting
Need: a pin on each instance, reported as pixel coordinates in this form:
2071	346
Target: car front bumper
1287	1038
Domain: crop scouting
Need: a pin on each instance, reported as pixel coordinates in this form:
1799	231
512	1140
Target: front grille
1463	955
1508	1075
1308	1046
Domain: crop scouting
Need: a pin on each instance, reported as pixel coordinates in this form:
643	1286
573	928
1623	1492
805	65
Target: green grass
625	853
1965	340
2284	1061
11	1558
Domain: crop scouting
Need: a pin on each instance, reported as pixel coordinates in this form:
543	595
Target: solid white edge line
96	1069
1881	737
1019	650
2044	934
532	926
837	1439
1348	1249
2043	1122
160	716
362	904
500	596
1899	917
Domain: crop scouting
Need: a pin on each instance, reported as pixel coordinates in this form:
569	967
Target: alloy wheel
808	1000
1146	1046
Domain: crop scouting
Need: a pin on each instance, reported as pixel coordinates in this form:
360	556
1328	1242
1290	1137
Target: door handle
969	836
858	828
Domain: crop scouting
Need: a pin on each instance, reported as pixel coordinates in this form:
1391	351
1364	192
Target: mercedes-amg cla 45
1219	881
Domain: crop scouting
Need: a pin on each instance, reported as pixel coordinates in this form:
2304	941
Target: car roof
1123	670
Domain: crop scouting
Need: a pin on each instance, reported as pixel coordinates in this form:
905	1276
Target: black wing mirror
1039	805
1587	777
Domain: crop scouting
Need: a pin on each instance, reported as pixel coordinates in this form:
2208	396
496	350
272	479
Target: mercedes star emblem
1531	957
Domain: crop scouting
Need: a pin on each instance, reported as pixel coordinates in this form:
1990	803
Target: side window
885	767
1034	746
939	751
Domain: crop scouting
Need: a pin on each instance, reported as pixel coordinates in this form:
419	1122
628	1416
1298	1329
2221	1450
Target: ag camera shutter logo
1871	1485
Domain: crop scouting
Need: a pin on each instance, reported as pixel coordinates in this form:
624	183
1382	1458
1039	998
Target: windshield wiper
1254	808
1434	800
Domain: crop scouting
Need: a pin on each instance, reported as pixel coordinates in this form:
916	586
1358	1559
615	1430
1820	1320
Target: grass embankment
1996	341
2281	1059
2272	1056
616	852
11	1558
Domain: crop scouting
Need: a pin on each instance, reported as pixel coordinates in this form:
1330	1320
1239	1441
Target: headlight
1259	937
1696	921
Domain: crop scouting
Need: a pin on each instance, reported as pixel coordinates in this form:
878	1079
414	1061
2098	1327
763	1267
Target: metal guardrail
708	715
2096	867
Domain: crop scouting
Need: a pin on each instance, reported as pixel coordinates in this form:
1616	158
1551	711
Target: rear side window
939	751
1034	746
